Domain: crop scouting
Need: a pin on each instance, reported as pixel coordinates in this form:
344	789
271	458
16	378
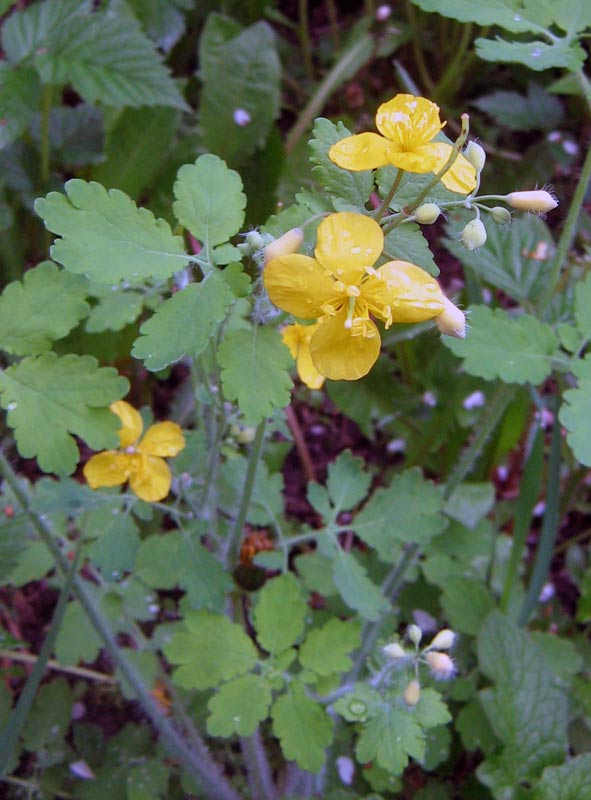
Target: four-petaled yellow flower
141	462
297	338
407	125
340	288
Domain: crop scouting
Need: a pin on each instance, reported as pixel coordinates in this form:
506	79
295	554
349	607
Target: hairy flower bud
451	321
475	155
539	201
289	243
502	216
414	633
474	234
444	640
412	693
441	665
394	651
427	213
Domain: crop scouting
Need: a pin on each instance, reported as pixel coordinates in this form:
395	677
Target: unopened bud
539	201
452	320
427	214
441	665
444	640
475	155
502	216
254	241
412	693
414	633
290	242
394	651
474	234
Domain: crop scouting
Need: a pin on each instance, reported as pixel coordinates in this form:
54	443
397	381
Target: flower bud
254	240
475	155
414	633
474	234
502	216
441	665
394	651
427	213
289	243
412	693
539	201
444	640
451	321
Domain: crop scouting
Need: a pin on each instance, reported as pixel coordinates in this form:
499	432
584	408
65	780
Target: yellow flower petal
348	243
338	354
364	151
297	338
131	422
162	439
299	285
408	121
413	295
109	468
420	160
151	478
462	175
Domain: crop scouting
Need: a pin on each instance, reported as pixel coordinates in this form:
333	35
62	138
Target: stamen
350	312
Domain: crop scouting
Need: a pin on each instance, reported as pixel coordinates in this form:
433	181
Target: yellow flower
297	338
140	462
407	125
340	288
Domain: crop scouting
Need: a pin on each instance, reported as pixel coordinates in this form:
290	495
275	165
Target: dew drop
355	251
536	52
11	406
517	17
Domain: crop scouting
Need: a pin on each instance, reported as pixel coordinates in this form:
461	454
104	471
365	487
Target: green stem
456	64
417	48
199	764
45	114
304	32
235	536
352	59
388	198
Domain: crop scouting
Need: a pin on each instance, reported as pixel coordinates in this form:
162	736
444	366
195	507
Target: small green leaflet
351	188
48	398
114	310
42	308
569	781
241	75
239	706
356	589
24	32
208	649
583	306
575	412
532	13
512	110
255	371
209	200
390	737
106	237
279	615
407	243
514	349
326	649
70	647
466	602
303	727
537	55
347	482
183	324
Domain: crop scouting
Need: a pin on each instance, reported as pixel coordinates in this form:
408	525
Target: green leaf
48	398
77	641
106	237
538	110
360	704
239	706
107	59
146	780
495	12
356	589
574	412
42	308
569	781
347	482
76	135
470	503
407	243
279	615
208	649
49	719
135	149
20	99
33	564
303	727
267	500
466	602
209	200
431	711
116	544
241	72
411	185
537	54
26	31
12	543
516	350
326	649
390	738
183	324
115	309
583	306
526	710
407	511
350	188
517	258
255	368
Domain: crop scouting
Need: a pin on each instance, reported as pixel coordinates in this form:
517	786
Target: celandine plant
284	638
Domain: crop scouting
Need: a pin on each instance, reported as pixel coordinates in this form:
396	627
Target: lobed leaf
238	706
352	188
280	613
537	55
569	781
574	412
326	650
357	590
303	727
